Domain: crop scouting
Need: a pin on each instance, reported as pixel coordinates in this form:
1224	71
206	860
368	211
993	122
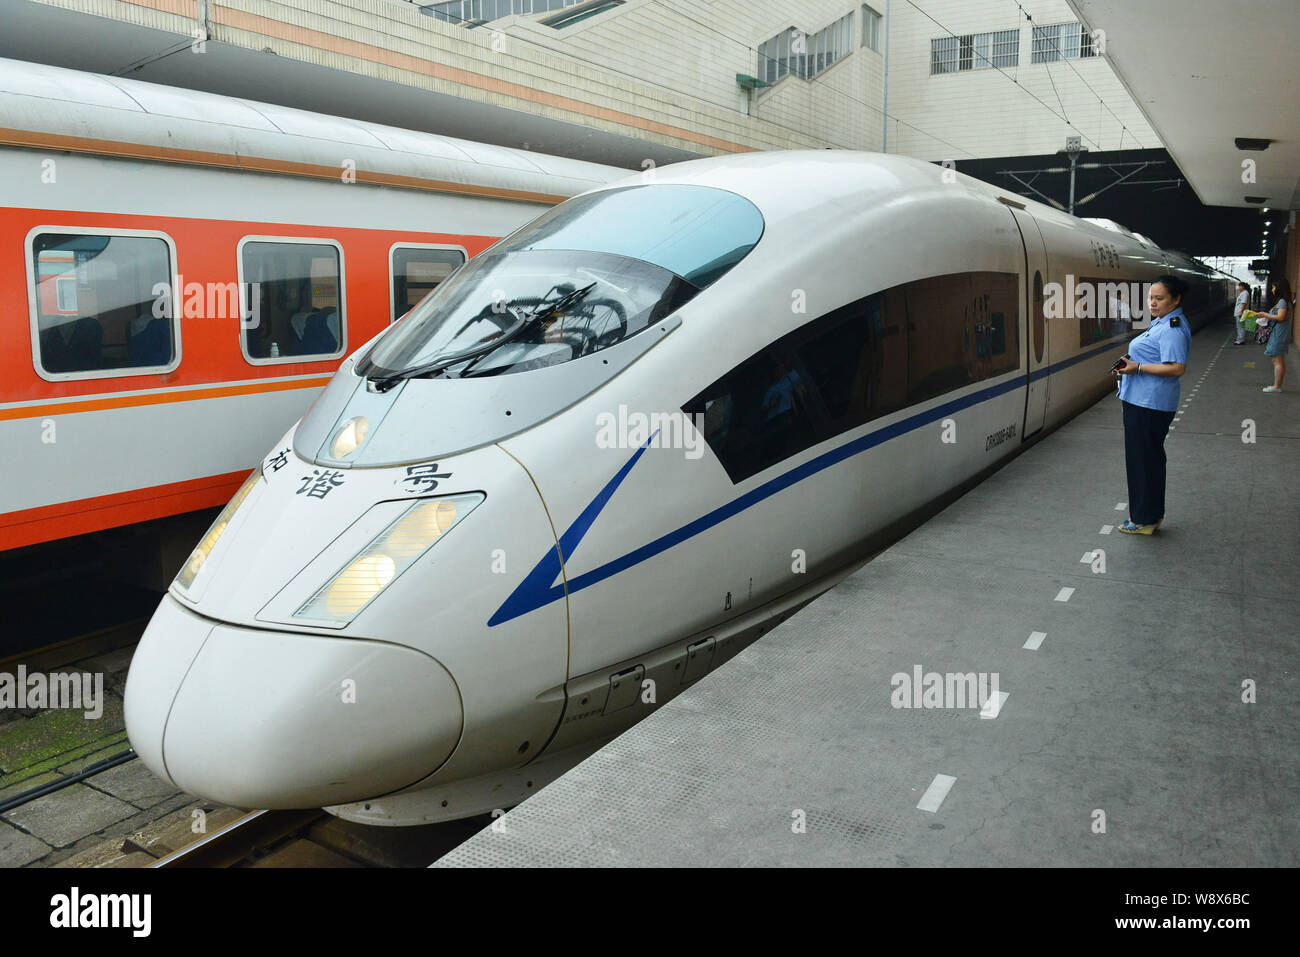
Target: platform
1124	739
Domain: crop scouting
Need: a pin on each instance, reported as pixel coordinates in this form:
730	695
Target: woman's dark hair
1281	287
1176	286
1244	285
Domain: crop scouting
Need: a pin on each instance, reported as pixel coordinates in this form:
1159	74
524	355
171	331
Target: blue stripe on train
539	586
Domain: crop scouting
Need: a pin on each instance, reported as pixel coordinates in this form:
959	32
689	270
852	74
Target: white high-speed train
497	539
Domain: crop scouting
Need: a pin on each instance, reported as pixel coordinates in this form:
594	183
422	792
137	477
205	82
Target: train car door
1038	355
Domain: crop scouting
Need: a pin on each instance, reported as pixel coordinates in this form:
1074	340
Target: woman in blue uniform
1149	393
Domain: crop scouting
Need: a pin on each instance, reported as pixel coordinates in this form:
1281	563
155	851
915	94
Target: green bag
1248	321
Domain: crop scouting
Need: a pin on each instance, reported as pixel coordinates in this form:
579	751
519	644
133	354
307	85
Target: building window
293	299
1061	41
102	304
417	271
483	11
1086	48
870	28
1005	47
975	51
795	53
865	360
944	54
579	13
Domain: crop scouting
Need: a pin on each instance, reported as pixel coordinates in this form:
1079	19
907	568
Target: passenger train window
758	414
293	299
887	314
417	270
994	310
1109	314
862	361
941	335
857	356
102	304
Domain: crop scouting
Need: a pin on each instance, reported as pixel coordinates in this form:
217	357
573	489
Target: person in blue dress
1149	394
1279	339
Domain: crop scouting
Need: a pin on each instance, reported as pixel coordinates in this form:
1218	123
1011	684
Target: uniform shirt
1241	304
1160	343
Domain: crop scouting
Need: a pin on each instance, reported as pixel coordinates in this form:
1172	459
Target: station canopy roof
1206	73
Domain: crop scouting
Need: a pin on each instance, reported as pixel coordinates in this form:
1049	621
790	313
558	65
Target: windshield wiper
541	312
523	321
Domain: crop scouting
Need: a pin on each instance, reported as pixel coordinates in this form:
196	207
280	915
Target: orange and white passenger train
181	273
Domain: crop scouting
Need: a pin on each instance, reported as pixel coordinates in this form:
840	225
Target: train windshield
587	274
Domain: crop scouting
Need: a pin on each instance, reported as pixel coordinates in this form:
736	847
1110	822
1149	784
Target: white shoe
1271	388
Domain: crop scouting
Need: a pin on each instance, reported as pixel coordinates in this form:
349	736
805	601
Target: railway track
244	842
313	838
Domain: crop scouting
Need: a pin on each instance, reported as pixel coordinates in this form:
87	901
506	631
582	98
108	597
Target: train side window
857	357
838	358
826	377
101	303
867	359
941	322
758	413
416	271
995	305
1105	310
962	328
293	299
887	316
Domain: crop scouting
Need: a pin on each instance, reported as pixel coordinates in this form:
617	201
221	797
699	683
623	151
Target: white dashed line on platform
936	792
1035	640
1064	594
993	706
1106	529
1120	506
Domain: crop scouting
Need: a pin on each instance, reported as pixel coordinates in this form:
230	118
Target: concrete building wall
982	113
661	70
664	71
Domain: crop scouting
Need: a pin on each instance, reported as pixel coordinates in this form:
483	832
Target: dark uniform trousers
1144	456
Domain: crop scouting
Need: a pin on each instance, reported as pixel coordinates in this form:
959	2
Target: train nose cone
266	719
165	652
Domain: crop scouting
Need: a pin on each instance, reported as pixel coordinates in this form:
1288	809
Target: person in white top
1243	299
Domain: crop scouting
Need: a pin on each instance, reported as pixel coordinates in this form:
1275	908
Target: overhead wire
1066	60
863	103
1047	106
848	96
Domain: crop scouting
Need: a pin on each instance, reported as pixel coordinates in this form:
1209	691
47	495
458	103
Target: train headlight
349	438
393	551
193	564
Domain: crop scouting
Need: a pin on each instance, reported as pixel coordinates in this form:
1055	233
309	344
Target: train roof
845	179
53	108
